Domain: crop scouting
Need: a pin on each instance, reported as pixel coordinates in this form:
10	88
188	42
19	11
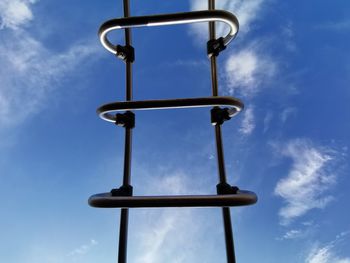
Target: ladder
223	108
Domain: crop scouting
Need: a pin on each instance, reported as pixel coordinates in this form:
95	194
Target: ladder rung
169	19
106	200
107	111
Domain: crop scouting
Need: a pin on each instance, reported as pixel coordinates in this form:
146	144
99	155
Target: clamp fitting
124	190
215	46
226	189
219	115
126	120
126	53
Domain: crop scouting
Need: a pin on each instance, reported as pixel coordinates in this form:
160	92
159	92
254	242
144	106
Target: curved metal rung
106	200
169	19
105	111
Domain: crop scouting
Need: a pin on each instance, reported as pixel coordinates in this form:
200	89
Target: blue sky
290	64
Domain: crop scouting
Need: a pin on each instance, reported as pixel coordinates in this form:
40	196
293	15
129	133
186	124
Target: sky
289	64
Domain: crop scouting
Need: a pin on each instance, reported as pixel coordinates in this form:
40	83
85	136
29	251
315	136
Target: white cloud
15	13
305	230
83	249
287	112
30	72
343	25
246	70
174	183
326	253
165	230
241	68
293	234
267	121
307	182
246	12
308	223
248	124
165	235
288	34
174	235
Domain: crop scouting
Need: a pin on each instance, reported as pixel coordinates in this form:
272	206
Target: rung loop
107	111
107	200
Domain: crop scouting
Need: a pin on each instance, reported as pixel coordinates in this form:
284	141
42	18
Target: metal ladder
121	113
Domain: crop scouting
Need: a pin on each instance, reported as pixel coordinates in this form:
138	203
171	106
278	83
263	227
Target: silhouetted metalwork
169	19
106	111
121	113
107	200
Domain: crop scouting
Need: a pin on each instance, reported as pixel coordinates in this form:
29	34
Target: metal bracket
215	46
126	120
124	190
219	115
126	53
226	189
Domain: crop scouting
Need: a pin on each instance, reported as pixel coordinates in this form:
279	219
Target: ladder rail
227	196
229	242
124	213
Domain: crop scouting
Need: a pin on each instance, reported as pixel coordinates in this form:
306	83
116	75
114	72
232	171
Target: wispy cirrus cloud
31	71
293	234
15	13
83	249
159	241
303	232
327	253
248	124
287	112
175	235
267	121
342	25
165	230
289	35
306	185
246	71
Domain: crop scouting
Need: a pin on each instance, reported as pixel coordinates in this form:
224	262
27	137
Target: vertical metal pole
124	214
128	43
128	131
123	235
230	252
